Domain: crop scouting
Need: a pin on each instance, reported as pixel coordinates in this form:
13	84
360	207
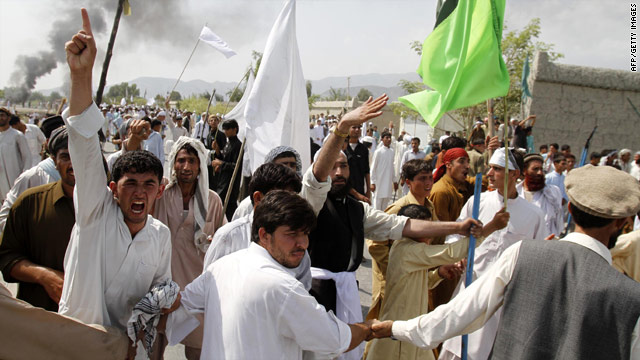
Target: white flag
277	111
214	40
237	113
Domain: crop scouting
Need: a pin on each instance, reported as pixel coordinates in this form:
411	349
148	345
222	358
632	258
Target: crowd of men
119	257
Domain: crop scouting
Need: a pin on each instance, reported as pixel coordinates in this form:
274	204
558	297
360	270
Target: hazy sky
335	37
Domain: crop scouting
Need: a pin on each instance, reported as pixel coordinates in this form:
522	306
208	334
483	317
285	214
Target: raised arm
331	148
81	54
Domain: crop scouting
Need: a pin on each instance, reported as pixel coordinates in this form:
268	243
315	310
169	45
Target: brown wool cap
5	110
531	157
603	191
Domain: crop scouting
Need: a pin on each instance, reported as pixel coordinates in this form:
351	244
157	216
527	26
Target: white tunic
526	221
106	271
255	309
33	177
383	172
549	200
35	139
15	158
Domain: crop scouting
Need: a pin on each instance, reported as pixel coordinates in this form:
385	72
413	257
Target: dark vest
566	302
336	244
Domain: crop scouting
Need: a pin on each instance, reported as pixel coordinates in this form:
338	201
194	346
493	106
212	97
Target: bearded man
545	196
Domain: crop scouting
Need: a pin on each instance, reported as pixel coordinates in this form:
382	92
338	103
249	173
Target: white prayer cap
625	151
513	119
498	159
162	113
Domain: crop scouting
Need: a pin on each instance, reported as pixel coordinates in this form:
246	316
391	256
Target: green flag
525	79
461	60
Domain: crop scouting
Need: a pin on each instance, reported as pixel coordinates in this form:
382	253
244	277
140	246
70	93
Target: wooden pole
506	154
107	57
490	123
185	67
233	177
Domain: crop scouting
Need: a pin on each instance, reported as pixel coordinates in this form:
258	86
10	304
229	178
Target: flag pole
490	122
472	249
107	56
246	74
185	66
233	177
505	195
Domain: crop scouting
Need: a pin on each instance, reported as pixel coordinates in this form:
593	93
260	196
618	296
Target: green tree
237	95
205	95
257	57
309	88
219	97
175	96
37	96
364	94
159	99
1	93
123	90
54	96
336	94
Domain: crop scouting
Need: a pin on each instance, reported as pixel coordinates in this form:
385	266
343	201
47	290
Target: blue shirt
553	178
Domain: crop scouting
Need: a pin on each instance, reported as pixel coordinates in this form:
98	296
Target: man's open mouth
137	207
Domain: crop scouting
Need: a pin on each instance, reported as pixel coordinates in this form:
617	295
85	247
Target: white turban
498	159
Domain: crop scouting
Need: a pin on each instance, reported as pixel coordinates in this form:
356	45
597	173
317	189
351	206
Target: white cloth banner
237	113
209	37
277	111
347	302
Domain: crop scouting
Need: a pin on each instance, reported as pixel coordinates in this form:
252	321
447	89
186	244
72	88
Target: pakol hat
588	188
51	123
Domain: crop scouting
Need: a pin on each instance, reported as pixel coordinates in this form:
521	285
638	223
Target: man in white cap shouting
581	308
526	222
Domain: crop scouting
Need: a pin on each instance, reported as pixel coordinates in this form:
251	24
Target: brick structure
569	100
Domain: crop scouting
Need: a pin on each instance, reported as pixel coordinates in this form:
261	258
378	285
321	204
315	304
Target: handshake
375	329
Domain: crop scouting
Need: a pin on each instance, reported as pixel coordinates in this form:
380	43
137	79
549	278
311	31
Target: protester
571	163
266	312
547	197
526	221
33	134
409	278
38	227
201	129
477	156
625	255
15	156
594	158
383	177
358	157
224	165
411	154
580	299
556	177
117	252
193	213
44	172
624	160
154	143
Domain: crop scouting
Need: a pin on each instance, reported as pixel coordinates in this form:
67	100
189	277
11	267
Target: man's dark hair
230	124
416	139
137	162
453	142
588	221
14	119
565	147
555	145
282	208
155	123
190	149
595	155
528	130
435	148
544	146
477	141
519	158
558	158
414	167
385	134
147	119
570	156
272	176
414	211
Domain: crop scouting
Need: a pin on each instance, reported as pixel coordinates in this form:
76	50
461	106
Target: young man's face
595	161
553	149
458	169
421	185
354	132
415	146
214	121
340	173
543	150
496	177
230	132
285	245
136	194
386	141
289	162
187	167
65	167
560	166
571	162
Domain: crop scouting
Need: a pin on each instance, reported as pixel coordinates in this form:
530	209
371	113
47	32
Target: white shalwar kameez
526	221
549	200
382	176
15	158
35	139
255	309
106	270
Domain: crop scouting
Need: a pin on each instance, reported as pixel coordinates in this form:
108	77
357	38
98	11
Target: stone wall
570	100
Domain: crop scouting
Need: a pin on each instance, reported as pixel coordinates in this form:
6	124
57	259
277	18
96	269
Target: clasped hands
378	329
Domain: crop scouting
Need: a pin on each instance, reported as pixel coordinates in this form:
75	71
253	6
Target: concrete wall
569	100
